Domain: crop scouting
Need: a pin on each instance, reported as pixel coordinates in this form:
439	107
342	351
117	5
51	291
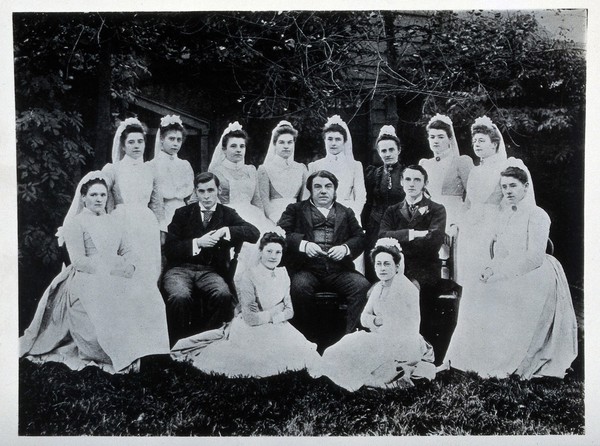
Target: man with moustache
197	247
323	239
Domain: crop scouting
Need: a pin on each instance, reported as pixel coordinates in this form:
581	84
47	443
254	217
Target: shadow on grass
171	398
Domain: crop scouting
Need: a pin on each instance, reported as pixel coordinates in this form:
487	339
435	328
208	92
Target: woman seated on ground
175	176
383	189
238	181
280	178
96	311
518	317
448	170
392	352
259	341
135	197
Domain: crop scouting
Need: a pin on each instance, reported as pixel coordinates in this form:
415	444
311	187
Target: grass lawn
170	398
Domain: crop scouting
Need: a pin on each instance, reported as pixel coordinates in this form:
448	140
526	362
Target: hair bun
443	118
389	242
387	130
170	119
483	121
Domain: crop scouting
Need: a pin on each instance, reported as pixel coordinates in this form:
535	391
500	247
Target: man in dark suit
197	248
323	238
419	225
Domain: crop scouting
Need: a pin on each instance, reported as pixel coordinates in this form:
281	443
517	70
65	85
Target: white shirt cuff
303	245
411	235
195	248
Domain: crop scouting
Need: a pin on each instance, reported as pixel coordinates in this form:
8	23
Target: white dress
239	190
89	316
251	345
139	205
522	320
376	357
280	182
447	182
476	227
175	181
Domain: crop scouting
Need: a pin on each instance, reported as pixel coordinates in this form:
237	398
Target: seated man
323	238
419	225
197	248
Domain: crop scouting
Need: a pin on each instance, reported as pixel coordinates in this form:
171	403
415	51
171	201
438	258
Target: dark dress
383	191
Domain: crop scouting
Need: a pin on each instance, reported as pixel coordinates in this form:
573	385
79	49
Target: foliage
56	62
502	65
169	398
298	65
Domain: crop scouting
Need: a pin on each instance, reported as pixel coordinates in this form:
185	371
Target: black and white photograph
352	224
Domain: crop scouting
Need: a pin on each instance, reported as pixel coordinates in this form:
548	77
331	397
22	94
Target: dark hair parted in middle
271	237
205	177
335	128
85	187
174	126
515	172
438	124
241	133
322	174
489	131
284	130
392	250
131	128
417	168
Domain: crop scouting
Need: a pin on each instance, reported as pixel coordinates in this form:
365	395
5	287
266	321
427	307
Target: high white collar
492	160
282	163
234	166
339	158
129	161
166	156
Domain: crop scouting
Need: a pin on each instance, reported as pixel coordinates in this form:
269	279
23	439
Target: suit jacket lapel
339	218
418	216
307	213
404	211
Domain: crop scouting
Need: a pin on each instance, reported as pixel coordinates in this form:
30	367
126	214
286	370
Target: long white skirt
239	349
524	325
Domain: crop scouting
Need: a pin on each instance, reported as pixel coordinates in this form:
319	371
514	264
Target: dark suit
422	264
205	272
421	256
310	275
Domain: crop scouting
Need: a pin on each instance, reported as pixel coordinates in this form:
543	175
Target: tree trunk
103	121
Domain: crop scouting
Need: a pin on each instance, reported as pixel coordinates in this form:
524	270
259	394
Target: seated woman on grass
392	352
259	341
99	310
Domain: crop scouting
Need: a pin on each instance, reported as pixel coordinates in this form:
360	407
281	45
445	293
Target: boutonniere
424	210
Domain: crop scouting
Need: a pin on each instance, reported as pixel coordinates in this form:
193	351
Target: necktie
206	216
412	208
